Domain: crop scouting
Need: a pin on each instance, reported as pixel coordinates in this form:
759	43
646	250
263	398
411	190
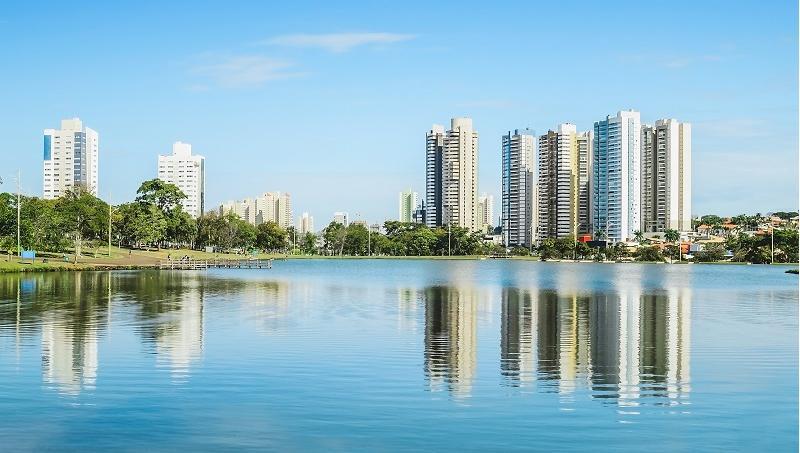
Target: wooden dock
193	265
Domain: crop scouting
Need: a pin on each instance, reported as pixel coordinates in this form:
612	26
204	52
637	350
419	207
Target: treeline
155	218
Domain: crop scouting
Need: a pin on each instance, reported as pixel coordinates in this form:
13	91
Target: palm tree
639	236
673	236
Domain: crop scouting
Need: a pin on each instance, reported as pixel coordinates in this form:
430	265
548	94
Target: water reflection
450	338
623	347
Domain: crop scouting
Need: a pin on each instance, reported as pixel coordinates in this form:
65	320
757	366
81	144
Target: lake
402	355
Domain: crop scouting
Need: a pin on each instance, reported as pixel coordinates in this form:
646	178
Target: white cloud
243	70
338	42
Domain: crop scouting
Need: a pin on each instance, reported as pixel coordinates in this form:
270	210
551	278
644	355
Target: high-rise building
407	205
519	200
306	224
269	207
188	172
485	213
419	213
666	176
434	150
70	159
451	175
275	207
616	176
340	218
563	183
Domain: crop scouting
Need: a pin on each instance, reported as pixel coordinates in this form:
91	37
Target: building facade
269	207
616	176
186	171
452	175
70	159
666	176
407	204
341	218
563	183
485	213
519	201
306	224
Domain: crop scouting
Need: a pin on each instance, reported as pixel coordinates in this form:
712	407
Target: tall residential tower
188	172
451	175
616	176
407	204
666	176
518	215
563	183
70	159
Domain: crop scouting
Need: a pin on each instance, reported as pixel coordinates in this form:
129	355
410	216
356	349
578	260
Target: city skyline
220	90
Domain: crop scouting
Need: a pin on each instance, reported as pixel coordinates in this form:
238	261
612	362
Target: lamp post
19	248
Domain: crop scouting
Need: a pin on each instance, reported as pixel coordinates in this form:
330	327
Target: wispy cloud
338	42
242	71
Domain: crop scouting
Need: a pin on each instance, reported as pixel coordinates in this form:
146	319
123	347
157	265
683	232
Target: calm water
402	355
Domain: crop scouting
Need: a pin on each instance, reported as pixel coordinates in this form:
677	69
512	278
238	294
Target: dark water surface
402	355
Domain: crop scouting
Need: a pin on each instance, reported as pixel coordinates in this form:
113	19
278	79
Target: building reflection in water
517	343
70	328
624	346
450	338
179	336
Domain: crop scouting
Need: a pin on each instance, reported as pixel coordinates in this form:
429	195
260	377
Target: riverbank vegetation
155	220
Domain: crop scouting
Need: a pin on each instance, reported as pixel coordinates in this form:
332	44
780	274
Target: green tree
84	216
308	245
356	240
163	195
650	253
138	224
334	236
270	237
711	253
638	236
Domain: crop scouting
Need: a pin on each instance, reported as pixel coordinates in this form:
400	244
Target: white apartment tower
519	200
269	207
188	172
407	204
340	218
666	176
616	176
70	159
563	183
451	175
275	207
485	213
306	224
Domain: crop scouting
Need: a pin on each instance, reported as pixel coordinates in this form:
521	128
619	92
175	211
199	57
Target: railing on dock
192	264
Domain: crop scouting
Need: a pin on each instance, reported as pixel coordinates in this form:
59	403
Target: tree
163	195
671	235
333	236
181	228
651	253
710	253
356	240
139	224
639	236
270	237
84	215
308	244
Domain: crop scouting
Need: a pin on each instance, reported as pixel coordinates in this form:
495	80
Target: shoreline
15	267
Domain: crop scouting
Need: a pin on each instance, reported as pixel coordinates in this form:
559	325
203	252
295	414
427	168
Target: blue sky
331	102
